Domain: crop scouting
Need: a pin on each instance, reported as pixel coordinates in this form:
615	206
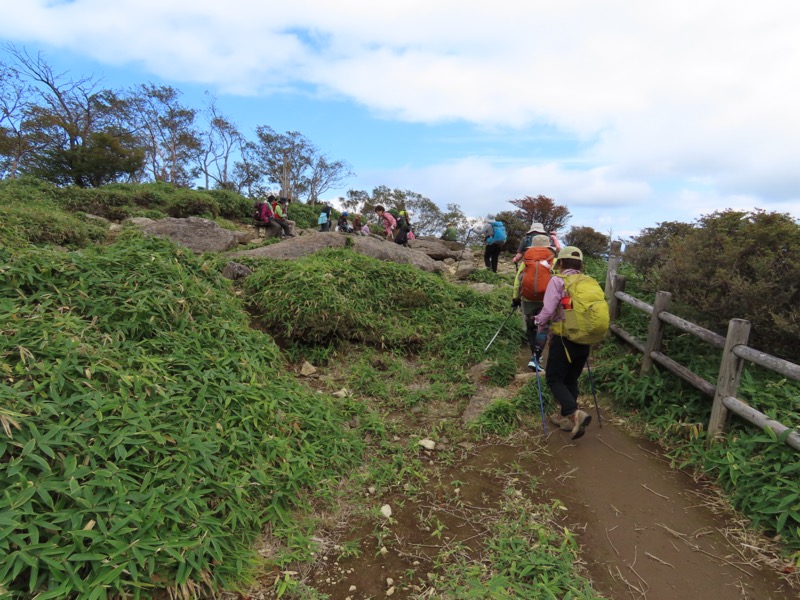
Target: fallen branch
655	558
607	445
644	485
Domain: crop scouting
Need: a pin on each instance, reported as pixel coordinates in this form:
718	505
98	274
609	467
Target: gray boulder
197	234
438	249
367	245
234	271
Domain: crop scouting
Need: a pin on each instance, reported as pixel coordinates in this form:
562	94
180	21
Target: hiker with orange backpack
530	284
575	308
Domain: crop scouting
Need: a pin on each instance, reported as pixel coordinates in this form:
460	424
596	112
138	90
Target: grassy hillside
150	432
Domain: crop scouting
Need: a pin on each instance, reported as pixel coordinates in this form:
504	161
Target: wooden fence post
655	331
614	256
730	372
614	305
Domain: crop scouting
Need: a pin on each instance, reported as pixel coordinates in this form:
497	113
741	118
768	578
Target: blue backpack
323	218
499	235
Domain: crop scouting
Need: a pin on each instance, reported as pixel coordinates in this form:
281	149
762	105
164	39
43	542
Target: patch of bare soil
650	531
400	557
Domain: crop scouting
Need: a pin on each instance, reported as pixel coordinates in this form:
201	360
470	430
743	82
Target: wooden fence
734	352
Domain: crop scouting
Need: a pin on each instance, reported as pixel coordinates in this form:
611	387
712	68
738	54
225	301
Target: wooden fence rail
734	352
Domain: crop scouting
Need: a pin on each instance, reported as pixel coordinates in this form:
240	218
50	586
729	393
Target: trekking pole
461	257
594	393
541	402
513	308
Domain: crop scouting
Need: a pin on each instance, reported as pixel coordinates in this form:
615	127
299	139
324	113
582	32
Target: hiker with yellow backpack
575	308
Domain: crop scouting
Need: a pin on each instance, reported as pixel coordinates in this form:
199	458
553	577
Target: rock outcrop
312	242
197	234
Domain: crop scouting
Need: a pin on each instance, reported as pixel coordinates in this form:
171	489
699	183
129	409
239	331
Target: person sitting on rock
343	225
280	217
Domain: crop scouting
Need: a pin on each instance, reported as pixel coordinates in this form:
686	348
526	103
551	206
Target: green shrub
44	223
335	296
731	264
305	215
232	205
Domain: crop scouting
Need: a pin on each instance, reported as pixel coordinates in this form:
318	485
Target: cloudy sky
629	112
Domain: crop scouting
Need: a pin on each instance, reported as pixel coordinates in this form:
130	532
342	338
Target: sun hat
571	252
537	228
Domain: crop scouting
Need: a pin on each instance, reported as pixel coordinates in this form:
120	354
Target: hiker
535	231
324	220
342	224
280	217
450	234
494	234
358	226
402	230
566	359
389	222
530	284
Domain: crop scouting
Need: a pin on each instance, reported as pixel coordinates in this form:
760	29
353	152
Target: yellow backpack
586	316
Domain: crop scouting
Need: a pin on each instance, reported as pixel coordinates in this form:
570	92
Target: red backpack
262	212
537	273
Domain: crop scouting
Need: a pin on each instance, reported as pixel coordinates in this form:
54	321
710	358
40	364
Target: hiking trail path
646	530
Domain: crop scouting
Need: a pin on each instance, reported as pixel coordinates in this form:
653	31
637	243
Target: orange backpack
537	272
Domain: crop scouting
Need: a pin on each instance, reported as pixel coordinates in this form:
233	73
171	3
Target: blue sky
628	112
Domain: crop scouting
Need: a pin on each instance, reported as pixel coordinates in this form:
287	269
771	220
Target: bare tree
167	131
325	175
14	100
218	144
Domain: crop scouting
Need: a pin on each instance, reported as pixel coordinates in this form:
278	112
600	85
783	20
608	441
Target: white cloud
683	91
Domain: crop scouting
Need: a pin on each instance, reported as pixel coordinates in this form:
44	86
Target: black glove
515	303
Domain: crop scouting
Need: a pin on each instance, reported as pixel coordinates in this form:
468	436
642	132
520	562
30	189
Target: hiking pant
325	226
529	312
401	237
564	366
287	229
490	256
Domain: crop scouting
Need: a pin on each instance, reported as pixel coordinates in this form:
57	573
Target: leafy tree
542	209
284	159
589	240
71	128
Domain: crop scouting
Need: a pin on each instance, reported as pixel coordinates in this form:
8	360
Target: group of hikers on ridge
396	223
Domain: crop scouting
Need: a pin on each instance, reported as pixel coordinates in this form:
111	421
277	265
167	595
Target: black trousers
490	256
564	367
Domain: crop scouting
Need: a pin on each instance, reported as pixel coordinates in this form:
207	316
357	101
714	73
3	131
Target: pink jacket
389	223
552	311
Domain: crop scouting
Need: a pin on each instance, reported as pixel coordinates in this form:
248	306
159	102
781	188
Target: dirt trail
646	531
644	528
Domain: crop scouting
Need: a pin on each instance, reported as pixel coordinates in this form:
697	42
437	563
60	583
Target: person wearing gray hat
536	236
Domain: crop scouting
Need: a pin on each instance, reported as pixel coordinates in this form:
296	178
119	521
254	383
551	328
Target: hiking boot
579	421
564	423
535	364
